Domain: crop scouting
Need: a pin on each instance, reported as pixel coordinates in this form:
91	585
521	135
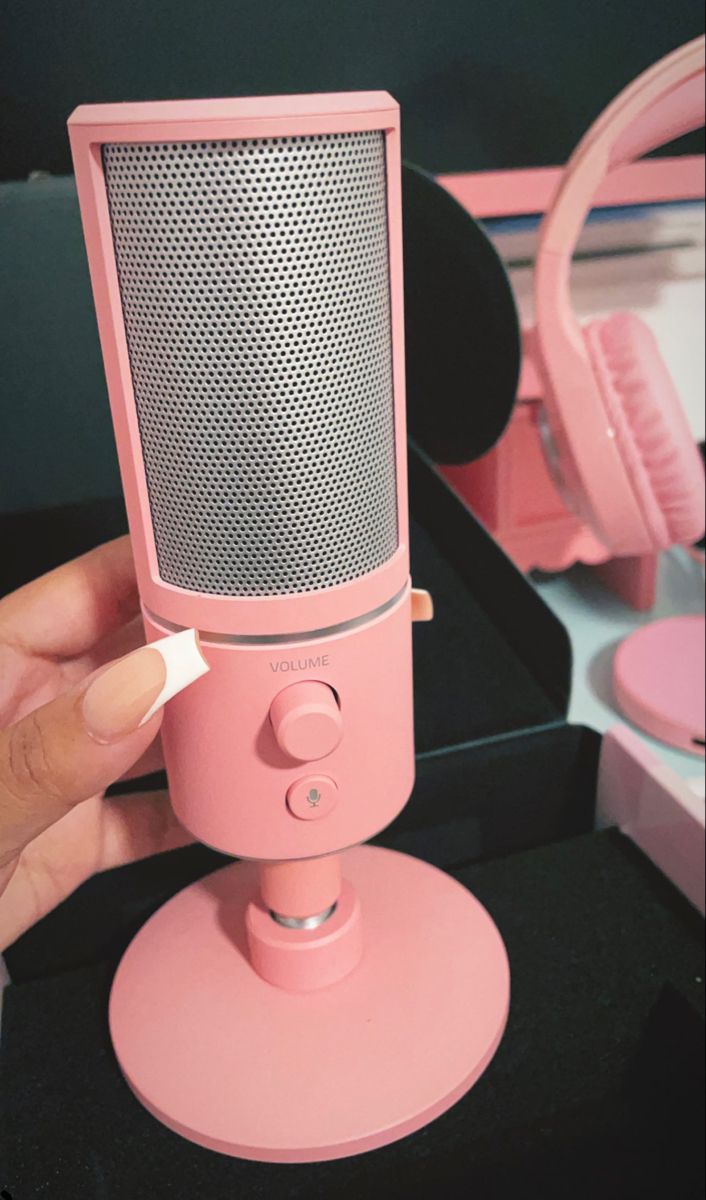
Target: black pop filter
461	323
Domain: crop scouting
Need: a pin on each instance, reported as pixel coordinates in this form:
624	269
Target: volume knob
306	720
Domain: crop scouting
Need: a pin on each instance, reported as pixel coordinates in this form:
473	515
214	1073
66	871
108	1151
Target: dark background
482	83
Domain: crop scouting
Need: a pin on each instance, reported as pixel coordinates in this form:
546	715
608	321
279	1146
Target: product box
595	1090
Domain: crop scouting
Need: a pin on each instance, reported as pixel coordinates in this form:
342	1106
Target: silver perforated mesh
255	291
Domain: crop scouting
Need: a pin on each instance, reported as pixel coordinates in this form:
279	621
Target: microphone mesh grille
254	280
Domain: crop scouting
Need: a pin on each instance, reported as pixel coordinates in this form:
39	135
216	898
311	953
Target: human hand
72	721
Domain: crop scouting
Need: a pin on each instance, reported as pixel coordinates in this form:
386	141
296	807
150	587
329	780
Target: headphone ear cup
655	443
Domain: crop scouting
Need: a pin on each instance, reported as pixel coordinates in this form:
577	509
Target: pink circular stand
658	680
245	1068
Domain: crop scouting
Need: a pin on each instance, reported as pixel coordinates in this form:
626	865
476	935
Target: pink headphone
618	435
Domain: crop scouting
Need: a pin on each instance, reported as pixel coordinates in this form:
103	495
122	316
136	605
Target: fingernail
184	662
124	697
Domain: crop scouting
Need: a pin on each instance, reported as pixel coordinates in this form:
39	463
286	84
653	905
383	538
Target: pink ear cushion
661	458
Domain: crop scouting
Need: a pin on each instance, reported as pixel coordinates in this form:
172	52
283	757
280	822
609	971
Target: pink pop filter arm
663	103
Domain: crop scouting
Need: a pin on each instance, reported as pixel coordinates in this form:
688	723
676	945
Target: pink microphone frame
90	127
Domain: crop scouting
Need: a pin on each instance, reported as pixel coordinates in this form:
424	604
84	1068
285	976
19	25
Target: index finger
65	612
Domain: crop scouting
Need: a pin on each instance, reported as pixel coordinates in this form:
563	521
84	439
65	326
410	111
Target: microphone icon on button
312	798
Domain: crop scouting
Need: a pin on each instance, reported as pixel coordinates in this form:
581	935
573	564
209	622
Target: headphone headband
663	103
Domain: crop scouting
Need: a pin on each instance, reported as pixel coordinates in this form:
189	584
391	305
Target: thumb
88	737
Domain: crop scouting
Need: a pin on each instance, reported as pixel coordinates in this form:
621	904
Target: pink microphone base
239	1066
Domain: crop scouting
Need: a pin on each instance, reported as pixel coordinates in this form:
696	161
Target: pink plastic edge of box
655	808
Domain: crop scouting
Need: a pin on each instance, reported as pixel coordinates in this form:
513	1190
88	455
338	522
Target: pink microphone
245	257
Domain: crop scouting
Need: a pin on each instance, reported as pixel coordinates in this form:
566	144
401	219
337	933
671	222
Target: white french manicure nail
184	663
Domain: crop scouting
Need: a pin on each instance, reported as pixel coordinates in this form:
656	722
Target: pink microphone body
246	264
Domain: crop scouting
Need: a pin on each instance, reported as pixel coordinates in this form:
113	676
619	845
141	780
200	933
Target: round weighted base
658	679
231	1062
